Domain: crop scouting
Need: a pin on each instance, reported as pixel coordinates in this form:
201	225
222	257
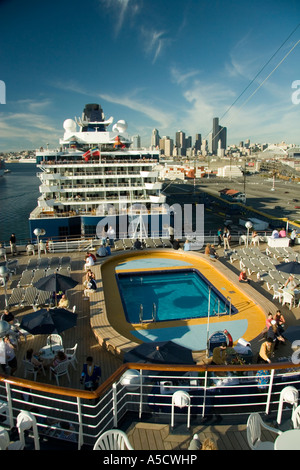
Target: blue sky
165	64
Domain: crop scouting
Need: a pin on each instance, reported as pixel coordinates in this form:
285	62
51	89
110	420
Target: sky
162	64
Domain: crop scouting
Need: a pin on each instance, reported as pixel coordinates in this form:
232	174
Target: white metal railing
238	391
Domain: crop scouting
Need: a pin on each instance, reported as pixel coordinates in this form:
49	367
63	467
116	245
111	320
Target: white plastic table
48	352
288	440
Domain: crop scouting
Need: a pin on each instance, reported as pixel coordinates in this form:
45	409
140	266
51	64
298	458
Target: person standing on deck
13	244
90	375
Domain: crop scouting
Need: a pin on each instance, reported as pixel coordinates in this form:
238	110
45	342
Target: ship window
63	231
90	229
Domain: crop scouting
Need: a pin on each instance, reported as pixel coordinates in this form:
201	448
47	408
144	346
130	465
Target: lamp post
248	225
39	232
4	274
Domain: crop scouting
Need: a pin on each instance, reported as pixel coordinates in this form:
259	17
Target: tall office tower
198	142
180	142
155	139
188	142
136	142
169	144
218	133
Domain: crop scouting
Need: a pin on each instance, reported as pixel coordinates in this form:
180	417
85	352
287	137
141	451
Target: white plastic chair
6	444
54	339
71	355
25	421
288	299
60	370
254	427
296	418
181	399
30	250
29	368
289	395
114	439
277	293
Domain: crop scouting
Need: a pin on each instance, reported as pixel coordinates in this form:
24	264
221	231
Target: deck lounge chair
12	266
26	278
32	264
119	245
149	243
166	242
158	243
29	297
43	263
65	262
65	271
16	296
38	274
43	298
128	243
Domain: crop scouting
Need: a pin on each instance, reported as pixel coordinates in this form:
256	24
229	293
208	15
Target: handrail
73	392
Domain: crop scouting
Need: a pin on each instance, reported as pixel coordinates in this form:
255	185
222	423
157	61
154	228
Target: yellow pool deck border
107	315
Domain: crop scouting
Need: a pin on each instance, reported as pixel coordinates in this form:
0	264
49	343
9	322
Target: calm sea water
19	191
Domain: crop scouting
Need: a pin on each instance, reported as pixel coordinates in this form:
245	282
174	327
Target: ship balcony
149	174
155	185
45	188
160	199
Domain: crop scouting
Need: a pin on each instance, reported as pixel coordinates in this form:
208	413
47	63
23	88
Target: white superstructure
95	173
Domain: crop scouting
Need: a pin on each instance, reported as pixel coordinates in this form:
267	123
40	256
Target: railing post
270	391
141	394
9	404
80	423
115	406
204	394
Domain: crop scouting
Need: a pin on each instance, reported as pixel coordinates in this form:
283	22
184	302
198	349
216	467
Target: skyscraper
155	139
180	142
198	142
218	133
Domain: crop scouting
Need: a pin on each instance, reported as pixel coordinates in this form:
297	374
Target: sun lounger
119	245
166	242
16	296
32	264
65	262
65	271
43	298
12	266
29	297
158	243
43	263
26	278
149	243
54	263
38	274
128	243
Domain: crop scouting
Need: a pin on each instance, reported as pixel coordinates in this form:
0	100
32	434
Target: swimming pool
169	295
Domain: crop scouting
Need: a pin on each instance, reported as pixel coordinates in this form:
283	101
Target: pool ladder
141	315
228	299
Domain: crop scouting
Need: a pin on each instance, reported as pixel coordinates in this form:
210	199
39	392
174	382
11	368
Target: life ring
229	338
219	337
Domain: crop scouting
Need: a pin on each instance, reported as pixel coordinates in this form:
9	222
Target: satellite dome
121	125
69	125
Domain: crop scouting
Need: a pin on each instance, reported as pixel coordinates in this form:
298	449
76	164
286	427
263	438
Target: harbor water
19	191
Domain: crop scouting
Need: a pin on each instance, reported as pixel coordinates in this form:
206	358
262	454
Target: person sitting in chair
91	287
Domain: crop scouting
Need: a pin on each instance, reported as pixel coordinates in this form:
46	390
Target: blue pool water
169	295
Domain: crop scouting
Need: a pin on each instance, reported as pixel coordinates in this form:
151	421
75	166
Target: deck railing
141	388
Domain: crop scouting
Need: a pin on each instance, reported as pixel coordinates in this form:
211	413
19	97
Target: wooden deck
81	334
89	323
155	436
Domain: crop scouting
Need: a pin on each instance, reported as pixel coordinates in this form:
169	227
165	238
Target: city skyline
158	65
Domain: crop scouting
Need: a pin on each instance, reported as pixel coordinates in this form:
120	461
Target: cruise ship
96	175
